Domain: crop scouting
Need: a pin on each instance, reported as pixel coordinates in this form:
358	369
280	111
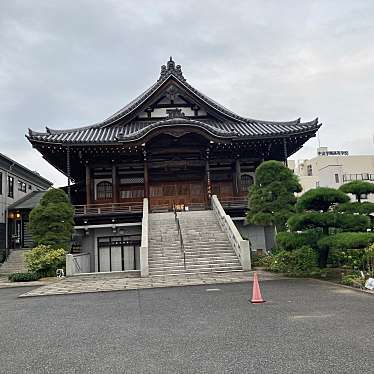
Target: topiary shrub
289	241
45	260
23	277
347	240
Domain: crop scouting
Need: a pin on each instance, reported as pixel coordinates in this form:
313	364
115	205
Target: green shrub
369	259
261	261
23	277
350	258
353	280
300	262
45	260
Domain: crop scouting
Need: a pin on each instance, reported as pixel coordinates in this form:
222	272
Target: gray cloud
70	63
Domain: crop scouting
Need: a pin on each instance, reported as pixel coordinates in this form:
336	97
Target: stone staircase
15	262
206	245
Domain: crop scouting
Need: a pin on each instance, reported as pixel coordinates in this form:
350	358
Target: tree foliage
327	220
271	198
289	241
321	198
51	222
315	212
347	240
356	207
358	188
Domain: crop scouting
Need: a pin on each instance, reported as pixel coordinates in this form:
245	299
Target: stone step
15	263
199	271
207	246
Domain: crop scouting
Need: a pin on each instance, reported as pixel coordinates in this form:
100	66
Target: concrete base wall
89	242
260	237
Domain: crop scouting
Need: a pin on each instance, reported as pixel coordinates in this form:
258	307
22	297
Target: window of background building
104	191
1	183
21	186
245	182
336	178
309	170
10	187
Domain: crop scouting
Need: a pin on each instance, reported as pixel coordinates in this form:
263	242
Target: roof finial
171	69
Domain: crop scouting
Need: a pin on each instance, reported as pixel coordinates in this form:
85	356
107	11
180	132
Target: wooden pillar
207	171
237	177
115	186
285	151
68	170
88	185
146	175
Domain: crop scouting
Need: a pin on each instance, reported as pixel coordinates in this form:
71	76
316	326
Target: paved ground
116	282
305	327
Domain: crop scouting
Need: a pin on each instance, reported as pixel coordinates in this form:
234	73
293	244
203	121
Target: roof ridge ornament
171	69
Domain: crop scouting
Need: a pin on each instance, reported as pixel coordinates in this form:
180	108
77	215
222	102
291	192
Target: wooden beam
88	185
237	177
146	175
115	186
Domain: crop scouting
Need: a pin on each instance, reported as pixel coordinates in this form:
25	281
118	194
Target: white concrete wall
77	263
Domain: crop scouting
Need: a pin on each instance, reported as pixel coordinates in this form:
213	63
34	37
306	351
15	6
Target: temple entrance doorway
184	195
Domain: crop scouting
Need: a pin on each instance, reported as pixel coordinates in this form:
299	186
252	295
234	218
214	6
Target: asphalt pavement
305	326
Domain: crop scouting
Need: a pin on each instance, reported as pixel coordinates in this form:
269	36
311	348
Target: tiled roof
137	129
117	128
30	201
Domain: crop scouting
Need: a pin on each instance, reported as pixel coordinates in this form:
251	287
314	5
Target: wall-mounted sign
333	153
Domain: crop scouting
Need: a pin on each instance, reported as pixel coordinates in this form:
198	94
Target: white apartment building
332	169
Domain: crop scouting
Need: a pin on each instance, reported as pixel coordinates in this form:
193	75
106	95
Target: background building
16	182
333	168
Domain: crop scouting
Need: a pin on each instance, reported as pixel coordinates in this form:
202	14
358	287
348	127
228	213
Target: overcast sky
70	63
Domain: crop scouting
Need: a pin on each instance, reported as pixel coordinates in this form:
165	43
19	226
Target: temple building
173	146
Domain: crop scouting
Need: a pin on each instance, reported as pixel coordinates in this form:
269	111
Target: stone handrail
241	246
77	263
144	267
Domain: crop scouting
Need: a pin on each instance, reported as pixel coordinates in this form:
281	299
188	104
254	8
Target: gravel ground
305	326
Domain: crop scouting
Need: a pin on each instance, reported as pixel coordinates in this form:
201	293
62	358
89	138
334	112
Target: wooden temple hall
174	146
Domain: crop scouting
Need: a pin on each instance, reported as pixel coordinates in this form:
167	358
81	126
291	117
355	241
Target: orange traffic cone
256	293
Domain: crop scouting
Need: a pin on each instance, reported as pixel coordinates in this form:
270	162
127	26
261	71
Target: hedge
23	277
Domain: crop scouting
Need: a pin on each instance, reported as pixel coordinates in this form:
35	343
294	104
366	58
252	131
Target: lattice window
104	190
245	182
155	191
132	194
132	180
